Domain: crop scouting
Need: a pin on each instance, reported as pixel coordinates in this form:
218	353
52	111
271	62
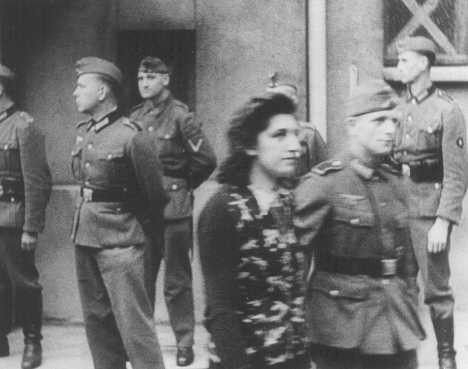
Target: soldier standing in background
188	160
122	203
430	149
361	305
313	147
25	185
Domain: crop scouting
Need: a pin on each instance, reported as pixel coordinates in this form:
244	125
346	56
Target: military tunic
355	219
430	146
122	202
25	185
188	160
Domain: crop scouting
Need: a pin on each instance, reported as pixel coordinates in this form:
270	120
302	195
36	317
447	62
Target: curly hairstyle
245	126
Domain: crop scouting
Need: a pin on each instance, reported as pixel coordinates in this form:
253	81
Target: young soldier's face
151	84
277	149
410	65
88	93
374	133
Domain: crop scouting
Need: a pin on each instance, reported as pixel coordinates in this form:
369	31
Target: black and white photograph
233	184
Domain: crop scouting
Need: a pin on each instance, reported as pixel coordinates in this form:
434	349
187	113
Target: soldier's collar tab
106	120
364	171
328	166
421	96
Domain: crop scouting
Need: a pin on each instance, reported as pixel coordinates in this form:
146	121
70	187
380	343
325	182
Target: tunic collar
421	96
156	105
365	171
104	120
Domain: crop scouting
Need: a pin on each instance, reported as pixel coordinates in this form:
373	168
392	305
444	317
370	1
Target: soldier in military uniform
188	160
25	185
122	201
313	147
361	300
430	149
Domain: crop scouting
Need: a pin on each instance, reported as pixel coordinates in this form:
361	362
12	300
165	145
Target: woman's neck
260	179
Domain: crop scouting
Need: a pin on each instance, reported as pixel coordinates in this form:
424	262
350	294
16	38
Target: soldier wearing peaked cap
361	307
188	160
122	202
430	149
25	185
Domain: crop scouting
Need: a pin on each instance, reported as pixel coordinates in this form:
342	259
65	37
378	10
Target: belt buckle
406	170
87	194
389	267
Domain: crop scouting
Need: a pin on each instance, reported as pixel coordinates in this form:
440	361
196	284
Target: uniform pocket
180	198
430	135
336	309
424	199
169	143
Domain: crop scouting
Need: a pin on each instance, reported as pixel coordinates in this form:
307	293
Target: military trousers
20	290
178	291
116	308
434	270
325	357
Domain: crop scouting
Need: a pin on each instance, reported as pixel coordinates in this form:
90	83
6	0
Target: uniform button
109	156
436	185
167	137
409	118
12	199
355	221
174	187
87	183
87	165
151	128
118	210
90	146
334	292
5	147
408	136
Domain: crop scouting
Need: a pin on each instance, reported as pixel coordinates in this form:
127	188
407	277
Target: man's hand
437	236
28	241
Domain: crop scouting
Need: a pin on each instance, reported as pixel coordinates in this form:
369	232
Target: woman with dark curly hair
251	260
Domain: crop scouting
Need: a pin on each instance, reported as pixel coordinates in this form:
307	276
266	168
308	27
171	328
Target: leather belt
376	268
96	195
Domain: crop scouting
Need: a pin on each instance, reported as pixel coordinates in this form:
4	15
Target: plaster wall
238	45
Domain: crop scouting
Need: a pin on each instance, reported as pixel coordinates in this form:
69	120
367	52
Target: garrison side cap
369	97
92	64
419	44
152	64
